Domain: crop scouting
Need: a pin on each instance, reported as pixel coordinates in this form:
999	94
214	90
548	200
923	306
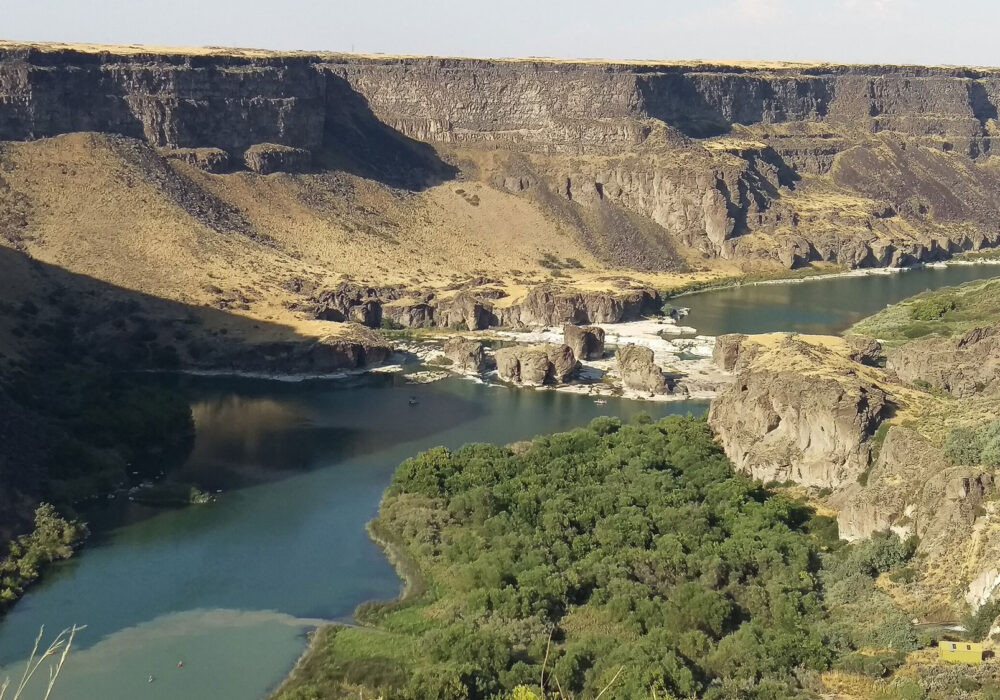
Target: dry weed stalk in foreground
60	646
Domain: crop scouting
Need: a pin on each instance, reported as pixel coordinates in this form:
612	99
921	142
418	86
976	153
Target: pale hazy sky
898	31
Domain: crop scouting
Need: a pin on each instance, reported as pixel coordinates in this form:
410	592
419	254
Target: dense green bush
970	445
51	539
963	445
625	552
932	308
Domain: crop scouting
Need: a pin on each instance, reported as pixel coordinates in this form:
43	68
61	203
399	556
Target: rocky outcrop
912	490
473	309
409	314
796	413
639	371
353	302
464	311
212	160
467	356
866	351
964	367
727	350
551	306
266	158
535	365
586	342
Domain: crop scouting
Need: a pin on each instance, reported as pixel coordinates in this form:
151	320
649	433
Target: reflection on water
311	461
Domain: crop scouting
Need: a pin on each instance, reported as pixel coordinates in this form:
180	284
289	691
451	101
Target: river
231	588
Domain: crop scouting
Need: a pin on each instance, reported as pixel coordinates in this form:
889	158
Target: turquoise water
828	305
231	588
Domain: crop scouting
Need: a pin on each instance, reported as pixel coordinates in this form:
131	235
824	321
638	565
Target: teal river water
232	588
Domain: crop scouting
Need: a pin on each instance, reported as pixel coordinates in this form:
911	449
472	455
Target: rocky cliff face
814	411
730	161
964	367
789	417
912	490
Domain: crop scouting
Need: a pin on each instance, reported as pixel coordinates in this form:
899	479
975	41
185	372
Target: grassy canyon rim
130	49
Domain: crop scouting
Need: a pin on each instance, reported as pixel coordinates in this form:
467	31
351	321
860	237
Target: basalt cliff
630	165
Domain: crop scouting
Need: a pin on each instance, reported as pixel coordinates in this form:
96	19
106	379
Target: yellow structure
961	652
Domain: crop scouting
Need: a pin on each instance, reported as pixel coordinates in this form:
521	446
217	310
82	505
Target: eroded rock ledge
796	410
475	307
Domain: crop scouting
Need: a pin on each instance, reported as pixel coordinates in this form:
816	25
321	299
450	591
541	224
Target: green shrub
978	624
963	445
933	308
874	665
51	539
971	446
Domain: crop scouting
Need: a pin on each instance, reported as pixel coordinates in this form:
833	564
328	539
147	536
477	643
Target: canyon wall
232	101
712	155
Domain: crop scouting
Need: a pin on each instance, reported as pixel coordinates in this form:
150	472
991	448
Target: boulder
535	365
727	350
586	342
639	372
467	356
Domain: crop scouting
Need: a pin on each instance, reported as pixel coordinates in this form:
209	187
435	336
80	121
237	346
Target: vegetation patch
974	445
51	539
947	312
628	559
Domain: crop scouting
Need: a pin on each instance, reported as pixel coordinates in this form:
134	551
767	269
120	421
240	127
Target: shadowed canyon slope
390	167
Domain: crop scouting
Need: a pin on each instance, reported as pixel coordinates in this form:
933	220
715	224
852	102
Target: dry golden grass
699	64
96	211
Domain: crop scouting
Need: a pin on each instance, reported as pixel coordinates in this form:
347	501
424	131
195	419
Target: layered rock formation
783	163
535	365
795	412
